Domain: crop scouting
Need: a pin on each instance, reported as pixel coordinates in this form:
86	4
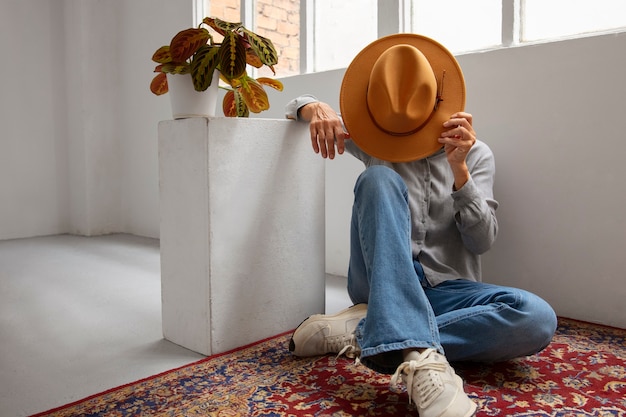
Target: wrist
306	111
461	177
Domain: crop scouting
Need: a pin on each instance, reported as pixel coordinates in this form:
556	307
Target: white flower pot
187	102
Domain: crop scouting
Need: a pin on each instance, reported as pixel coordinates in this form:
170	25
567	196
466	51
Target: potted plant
194	51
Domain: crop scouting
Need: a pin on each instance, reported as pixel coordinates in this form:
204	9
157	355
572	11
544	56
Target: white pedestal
242	230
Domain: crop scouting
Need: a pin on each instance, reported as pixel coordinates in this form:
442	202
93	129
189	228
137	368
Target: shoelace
350	352
429	384
344	346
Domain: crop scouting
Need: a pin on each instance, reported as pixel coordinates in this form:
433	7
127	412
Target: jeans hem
386	358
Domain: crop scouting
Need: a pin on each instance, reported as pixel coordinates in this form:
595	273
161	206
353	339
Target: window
320	35
558	18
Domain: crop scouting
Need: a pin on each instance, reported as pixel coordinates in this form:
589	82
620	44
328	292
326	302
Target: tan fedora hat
397	93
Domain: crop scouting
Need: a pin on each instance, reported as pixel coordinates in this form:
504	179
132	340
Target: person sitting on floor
423	213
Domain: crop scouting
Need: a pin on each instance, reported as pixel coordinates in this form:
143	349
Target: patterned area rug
582	373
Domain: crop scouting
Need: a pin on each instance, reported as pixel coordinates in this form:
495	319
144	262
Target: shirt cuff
292	108
467	194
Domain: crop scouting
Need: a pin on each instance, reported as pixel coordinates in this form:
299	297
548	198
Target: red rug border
148	378
217	355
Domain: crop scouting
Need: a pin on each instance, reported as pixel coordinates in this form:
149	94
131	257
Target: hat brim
353	101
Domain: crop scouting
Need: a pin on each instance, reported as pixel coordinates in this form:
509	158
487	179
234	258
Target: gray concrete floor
80	315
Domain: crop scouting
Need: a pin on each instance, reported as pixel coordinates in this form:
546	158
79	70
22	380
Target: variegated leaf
232	61
186	42
263	47
253	59
275	84
176	68
221	26
228	104
162	55
242	108
233	82
254	95
159	84
203	64
233	105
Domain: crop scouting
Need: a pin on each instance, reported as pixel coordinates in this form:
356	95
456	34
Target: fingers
458	136
327	134
314	143
340	139
461	118
326	138
458	133
459	125
328	143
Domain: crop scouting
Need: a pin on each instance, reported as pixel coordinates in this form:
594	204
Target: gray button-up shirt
450	229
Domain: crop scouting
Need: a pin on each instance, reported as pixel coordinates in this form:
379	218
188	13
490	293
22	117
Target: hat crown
402	90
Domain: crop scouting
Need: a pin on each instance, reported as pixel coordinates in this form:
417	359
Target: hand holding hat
457	140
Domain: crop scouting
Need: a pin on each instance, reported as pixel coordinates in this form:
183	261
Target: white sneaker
434	387
321	334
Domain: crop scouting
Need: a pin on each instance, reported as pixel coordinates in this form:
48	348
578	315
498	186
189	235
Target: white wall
553	115
78	148
34	190
144	26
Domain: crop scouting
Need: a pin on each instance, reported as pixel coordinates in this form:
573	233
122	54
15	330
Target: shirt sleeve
475	206
292	108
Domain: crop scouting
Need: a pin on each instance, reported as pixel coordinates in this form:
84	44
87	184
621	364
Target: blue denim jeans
463	319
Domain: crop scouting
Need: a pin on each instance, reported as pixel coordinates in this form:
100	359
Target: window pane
228	10
342	29
556	18
459	25
280	22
